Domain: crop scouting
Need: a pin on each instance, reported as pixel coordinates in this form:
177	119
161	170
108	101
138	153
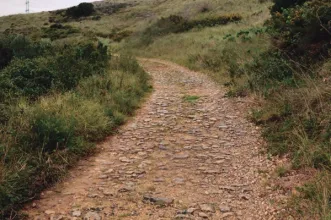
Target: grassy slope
42	138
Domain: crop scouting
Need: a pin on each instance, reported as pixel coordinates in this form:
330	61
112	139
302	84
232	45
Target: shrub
6	55
82	10
52	132
269	71
304	31
43	137
178	24
58	31
28	77
282	4
60	68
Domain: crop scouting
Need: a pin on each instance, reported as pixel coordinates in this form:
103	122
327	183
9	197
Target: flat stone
179	181
103	177
225	215
162	147
57	217
126	189
92	216
76	213
125	160
159	180
244	196
207	208
224	208
49	212
92	195
182	216
203	215
191	210
109	171
223	127
157	200
108	193
181	156
211	172
228	188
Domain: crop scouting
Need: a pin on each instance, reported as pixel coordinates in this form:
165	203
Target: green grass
56	103
191	98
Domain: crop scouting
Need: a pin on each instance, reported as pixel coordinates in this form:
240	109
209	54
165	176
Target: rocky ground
189	153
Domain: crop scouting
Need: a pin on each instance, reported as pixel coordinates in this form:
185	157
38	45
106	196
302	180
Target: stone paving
189	153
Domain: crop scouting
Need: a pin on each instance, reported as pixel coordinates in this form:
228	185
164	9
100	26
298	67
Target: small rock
108	193
34	205
228	188
223	127
179	181
159	180
92	195
181	156
224	208
182	216
125	189
76	213
162	147
49	212
125	160
211	172
191	210
244	196
158	200
103	177
109	171
59	217
92	216
207	208
225	215
203	215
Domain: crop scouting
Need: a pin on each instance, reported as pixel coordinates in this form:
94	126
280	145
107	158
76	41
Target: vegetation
293	78
281	55
56	101
177	24
82	10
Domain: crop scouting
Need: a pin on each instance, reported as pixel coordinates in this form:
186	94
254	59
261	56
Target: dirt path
177	159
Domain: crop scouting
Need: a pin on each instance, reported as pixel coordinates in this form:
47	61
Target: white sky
8	7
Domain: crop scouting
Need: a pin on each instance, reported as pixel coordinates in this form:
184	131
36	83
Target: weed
191	99
281	171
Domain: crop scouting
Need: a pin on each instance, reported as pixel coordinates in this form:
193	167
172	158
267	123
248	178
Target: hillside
258	114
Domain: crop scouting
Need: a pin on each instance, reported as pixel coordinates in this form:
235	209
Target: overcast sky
8	7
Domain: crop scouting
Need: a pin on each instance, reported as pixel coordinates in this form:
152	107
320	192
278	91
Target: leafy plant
82	10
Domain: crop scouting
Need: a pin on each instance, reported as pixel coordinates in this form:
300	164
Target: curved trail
177	159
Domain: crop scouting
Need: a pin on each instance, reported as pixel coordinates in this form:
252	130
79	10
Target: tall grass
42	137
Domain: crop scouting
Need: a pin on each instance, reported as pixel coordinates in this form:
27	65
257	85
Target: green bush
282	4
28	77
82	10
45	67
303	31
52	132
41	138
269	71
6	55
57	31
